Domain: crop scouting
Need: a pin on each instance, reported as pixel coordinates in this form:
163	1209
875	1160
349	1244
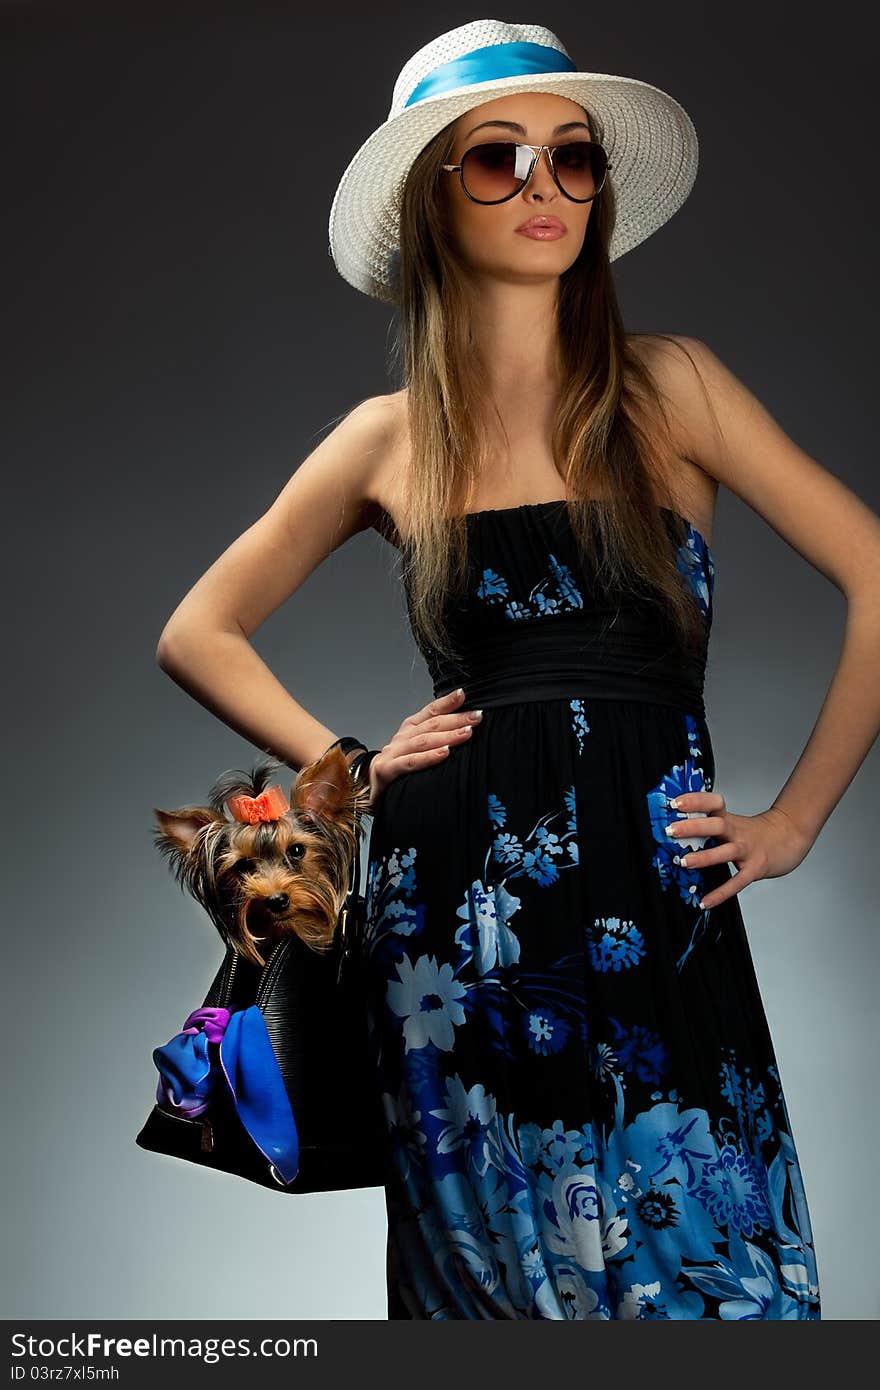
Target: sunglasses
496	171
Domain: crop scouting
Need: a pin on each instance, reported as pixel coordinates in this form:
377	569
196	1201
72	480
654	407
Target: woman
580	1087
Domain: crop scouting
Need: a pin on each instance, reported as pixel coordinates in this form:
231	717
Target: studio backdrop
176	341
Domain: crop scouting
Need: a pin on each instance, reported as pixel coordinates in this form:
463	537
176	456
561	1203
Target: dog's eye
295	853
245	866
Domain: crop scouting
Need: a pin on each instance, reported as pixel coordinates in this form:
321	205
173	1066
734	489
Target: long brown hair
611	437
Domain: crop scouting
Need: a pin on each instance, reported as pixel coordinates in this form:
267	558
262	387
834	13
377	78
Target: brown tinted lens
495	171
580	167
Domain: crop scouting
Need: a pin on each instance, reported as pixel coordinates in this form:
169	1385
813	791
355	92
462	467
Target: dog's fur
258	882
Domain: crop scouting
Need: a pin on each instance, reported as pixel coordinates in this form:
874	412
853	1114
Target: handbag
285	1092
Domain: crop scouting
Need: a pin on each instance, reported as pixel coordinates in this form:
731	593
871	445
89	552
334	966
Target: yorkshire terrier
280	864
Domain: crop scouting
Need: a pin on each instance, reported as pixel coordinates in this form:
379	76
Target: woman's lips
542	233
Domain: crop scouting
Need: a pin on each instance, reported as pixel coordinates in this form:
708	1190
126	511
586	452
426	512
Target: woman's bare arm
204	646
744	448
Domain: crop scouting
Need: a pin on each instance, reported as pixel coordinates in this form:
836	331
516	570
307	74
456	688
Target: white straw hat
649	139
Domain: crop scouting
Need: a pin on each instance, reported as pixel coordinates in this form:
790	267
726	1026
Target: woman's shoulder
665	352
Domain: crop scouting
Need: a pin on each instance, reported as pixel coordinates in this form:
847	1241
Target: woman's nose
542	180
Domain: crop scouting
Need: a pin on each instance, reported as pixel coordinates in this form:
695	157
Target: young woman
585	1112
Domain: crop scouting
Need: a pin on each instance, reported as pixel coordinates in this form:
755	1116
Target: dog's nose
279	902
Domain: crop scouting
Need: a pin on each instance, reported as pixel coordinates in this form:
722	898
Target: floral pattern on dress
686	880
659	1214
554	593
614	944
584	1113
697	563
579	721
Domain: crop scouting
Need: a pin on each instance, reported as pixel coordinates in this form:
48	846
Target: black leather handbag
315	1016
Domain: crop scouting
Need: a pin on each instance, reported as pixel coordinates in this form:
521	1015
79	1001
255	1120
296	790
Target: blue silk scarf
189	1079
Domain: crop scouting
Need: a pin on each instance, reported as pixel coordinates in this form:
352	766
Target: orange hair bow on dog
269	805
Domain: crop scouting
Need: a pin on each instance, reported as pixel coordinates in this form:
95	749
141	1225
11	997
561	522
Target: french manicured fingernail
673	801
476	714
459	691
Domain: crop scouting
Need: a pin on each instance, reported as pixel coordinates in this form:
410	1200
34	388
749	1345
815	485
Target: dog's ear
324	788
178	829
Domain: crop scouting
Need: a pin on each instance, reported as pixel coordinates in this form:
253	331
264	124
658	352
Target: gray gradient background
176	341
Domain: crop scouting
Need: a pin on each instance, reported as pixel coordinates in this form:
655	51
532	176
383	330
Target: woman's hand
423	739
763	846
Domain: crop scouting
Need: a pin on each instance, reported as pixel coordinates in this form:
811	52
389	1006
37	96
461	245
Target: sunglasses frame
537	151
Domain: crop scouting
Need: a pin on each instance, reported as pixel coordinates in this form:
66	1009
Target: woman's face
486	234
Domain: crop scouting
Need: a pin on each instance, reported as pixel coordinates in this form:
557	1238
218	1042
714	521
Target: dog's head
263	865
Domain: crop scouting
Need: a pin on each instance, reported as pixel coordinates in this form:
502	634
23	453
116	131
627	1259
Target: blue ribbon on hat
189	1079
484	64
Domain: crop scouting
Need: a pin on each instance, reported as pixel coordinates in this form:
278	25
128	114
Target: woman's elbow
170	647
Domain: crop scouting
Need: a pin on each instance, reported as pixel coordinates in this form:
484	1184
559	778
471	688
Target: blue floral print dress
584	1108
